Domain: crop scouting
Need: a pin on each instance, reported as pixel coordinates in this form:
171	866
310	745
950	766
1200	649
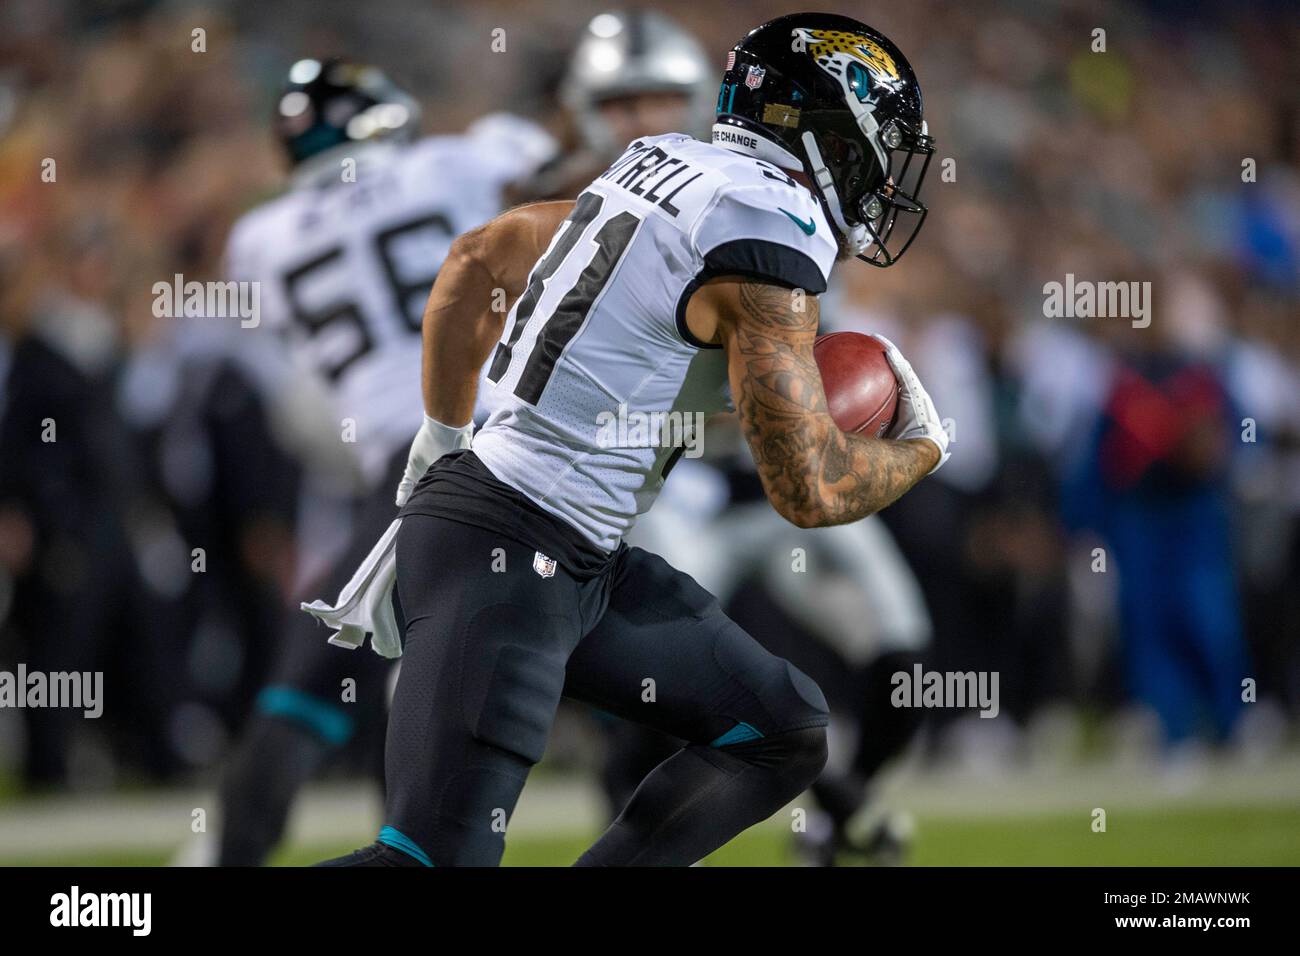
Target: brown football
859	382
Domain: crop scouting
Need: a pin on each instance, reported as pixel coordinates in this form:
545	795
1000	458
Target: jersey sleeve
772	232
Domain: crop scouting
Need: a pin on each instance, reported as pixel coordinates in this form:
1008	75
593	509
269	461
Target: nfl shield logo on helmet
754	78
543	565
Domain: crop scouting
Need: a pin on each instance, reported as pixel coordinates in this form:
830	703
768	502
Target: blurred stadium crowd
1070	434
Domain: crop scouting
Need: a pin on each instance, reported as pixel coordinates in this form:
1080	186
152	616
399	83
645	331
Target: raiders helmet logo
543	565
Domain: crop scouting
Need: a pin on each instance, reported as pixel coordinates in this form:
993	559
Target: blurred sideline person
667	279
344	260
75	596
124	446
1153	483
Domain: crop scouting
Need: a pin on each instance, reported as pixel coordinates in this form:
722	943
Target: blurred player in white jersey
632	73
344	260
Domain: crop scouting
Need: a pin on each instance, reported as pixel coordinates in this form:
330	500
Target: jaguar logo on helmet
844	54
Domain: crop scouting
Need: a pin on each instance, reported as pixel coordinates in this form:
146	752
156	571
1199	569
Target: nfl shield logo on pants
543	565
754	78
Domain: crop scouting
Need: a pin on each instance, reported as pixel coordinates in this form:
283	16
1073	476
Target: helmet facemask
892	212
870	175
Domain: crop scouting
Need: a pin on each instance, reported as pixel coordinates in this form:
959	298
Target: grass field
1211	836
1233	816
1219	837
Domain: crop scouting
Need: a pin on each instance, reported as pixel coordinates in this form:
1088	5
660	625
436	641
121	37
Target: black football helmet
325	103
835	98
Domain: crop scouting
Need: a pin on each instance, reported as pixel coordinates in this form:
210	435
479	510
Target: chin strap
857	238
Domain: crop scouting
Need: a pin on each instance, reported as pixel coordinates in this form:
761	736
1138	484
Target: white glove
917	417
432	442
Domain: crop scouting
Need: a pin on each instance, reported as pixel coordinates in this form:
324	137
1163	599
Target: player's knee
792	760
806	704
804	756
790	699
791	740
785	698
511	691
804	753
799	751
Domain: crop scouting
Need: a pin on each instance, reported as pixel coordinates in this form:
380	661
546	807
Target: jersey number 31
611	242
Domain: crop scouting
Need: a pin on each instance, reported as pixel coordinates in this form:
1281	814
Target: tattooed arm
464	314
813	473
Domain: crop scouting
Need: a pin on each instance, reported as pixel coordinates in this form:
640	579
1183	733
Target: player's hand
432	442
917	417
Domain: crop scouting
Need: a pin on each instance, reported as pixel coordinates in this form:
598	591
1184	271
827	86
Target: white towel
365	605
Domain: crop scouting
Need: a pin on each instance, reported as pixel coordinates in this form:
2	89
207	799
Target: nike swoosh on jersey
808	227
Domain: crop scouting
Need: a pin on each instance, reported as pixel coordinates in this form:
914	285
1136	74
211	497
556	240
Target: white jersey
596	353
345	264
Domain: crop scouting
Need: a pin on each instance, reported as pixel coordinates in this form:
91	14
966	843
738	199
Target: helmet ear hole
891	135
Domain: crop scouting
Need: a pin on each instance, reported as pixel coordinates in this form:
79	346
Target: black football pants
491	645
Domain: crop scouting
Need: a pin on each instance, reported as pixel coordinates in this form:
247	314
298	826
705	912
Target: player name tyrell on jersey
647	171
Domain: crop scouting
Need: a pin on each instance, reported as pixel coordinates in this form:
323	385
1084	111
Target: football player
632	73
344	260
684	268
